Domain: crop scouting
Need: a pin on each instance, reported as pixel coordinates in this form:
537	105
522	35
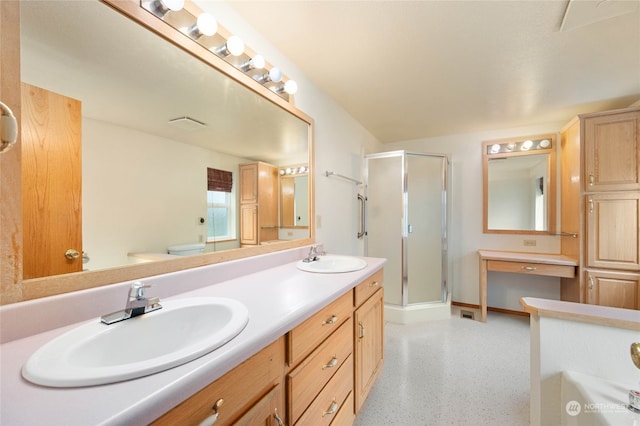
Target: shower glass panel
406	223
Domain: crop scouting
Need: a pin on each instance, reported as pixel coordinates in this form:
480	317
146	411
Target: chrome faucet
137	304
314	251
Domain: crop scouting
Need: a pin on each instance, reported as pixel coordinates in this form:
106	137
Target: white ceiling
414	69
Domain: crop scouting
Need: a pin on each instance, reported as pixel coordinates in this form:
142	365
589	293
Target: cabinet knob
277	418
373	284
216	412
330	321
331	364
332	409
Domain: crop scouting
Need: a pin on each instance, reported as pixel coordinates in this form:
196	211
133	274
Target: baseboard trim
489	308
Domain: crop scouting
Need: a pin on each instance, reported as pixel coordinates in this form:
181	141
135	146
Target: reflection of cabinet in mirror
258	203
51	199
603	201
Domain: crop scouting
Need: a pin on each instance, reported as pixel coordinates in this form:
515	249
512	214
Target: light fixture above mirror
205	31
519	194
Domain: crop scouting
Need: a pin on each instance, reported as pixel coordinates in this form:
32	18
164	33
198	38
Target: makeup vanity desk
552	265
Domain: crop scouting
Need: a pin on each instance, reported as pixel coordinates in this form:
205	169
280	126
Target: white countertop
278	298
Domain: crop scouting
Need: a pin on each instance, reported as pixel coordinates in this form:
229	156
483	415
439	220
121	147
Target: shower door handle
363	216
410	229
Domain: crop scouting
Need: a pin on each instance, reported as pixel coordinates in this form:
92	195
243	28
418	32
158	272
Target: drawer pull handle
373	284
331	364
277	417
590	205
332	409
592	179
330	321
529	268
216	412
590	283
362	330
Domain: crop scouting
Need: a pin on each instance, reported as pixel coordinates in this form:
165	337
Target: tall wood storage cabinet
258	203
601	185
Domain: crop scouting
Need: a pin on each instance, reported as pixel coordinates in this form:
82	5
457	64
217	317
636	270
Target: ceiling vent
580	13
187	123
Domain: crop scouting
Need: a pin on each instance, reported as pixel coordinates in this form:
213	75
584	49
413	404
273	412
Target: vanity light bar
521	146
204	30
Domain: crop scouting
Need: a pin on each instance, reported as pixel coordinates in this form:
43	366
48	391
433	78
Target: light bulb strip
223	44
523	145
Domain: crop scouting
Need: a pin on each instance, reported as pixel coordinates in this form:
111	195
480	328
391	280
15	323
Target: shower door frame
404	175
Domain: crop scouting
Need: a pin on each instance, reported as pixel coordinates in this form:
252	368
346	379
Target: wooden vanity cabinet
613	288
607	205
311	376
321	362
368	336
253	394
258	203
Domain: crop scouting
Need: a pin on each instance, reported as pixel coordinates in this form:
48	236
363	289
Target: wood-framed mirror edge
552	172
13	288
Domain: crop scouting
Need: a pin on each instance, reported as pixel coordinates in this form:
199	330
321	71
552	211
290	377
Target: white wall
159	188
341	142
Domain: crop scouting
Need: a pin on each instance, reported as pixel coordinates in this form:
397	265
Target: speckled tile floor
453	372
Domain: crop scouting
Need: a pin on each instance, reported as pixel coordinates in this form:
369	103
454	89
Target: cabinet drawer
327	404
304	383
345	416
564	271
240	388
308	335
367	287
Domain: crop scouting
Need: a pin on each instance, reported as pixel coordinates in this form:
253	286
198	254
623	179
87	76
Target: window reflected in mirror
519	185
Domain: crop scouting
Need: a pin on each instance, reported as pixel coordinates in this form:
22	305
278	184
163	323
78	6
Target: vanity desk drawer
307	336
564	271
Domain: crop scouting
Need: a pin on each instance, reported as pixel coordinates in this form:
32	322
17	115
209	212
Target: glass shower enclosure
405	212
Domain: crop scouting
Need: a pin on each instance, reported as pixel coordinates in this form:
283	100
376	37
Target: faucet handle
137	289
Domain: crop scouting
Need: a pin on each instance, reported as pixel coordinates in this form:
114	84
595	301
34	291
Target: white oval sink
332	264
96	353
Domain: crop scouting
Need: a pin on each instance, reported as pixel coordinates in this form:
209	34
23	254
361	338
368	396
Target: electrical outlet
289	234
530	243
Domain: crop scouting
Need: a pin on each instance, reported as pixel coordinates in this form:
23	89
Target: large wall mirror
519	176
154	118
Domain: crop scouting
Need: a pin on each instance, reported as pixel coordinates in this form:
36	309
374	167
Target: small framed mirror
519	185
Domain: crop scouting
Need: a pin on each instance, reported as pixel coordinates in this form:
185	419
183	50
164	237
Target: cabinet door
249	183
249	224
613	235
266	412
368	346
615	289
612	152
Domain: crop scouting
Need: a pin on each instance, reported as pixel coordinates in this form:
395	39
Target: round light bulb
289	170
495	148
526	145
235	45
511	146
545	143
291	87
257	62
174	5
275	75
207	24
